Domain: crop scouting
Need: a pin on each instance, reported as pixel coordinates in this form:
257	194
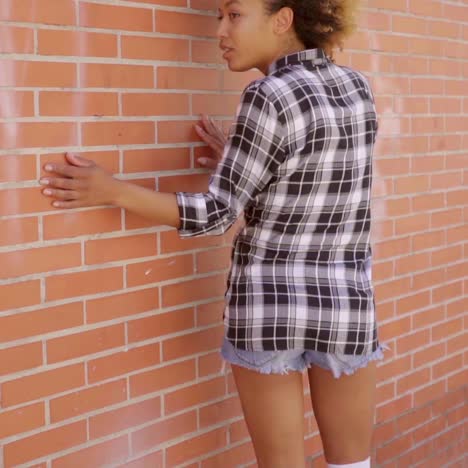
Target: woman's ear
284	20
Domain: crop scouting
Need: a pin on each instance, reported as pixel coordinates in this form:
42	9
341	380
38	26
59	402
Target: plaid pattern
298	163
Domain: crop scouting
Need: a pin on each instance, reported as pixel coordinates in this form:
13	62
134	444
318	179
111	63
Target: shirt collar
314	57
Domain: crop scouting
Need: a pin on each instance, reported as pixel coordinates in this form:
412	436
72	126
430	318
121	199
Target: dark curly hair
319	23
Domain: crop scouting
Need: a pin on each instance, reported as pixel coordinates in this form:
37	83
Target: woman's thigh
344	410
273	406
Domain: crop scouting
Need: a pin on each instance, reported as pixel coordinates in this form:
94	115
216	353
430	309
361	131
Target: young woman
298	164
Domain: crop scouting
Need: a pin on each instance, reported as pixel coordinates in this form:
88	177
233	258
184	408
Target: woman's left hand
79	183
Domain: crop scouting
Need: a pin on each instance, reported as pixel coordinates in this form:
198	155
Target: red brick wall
109	327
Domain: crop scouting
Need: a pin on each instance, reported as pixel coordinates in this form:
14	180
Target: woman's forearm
159	207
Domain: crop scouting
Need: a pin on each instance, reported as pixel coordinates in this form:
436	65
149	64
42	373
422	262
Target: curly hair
319	23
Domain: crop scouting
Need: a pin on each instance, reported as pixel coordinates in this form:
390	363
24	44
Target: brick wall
109	327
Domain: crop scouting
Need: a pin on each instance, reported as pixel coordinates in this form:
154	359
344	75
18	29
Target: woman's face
246	35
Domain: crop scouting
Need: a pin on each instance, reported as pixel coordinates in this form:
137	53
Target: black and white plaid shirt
298	163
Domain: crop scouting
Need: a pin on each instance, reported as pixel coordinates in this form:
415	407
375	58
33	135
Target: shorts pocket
255	358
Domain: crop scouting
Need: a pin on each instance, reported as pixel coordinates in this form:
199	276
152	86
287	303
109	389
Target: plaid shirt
298	164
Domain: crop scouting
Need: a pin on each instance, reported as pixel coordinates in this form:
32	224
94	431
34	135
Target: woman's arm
82	183
159	207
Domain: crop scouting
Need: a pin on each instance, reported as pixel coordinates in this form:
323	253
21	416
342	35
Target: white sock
361	464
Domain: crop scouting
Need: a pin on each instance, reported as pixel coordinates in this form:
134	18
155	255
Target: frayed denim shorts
281	362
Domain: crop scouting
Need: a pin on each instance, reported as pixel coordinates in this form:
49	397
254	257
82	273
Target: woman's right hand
214	137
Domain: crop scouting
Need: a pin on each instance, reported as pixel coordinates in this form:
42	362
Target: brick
457	380
20	294
88	399
410	25
22	419
457	343
109	452
153	459
427	317
413	341
446	218
193	290
76	43
22	73
191	78
428	240
428	430
193	343
429	393
144	104
191	183
83	283
16	168
212	105
383	433
38	134
395	328
108	76
155	48
447	366
162	378
160	325
412	263
385	392
163	431
428	355
219	260
393	368
414	418
118	17
44	443
18	358
15	104
120	248
457	234
391	248
40	11
210	314
123	418
42	384
39	321
122	305
218	412
155	160
236	456
411	224
185	24
85	343
81	223
121	363
388	411
394	448
206	52
57	103
417	455
38	260
392	289
449	291
194	395
117	133
18	231
209	364
159	270
197	446
14	40
413	380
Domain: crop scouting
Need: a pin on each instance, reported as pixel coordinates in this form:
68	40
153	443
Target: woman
298	164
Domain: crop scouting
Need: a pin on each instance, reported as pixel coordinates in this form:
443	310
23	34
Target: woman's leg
344	410
273	406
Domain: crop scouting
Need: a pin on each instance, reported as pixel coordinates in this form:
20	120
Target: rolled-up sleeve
251	156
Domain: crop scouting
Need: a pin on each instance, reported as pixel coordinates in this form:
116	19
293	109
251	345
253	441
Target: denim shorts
281	362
